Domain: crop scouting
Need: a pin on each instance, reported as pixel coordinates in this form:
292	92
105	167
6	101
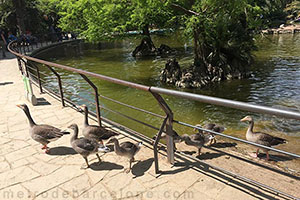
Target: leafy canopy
101	19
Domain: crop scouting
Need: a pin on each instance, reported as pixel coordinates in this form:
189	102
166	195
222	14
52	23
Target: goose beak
19	106
244	119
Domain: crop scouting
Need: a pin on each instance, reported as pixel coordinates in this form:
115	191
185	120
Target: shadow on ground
224	144
6	83
141	167
275	158
104	165
208	156
61	151
42	102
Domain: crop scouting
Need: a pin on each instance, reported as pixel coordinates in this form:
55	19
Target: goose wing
127	145
107	134
97	132
47	132
269	140
218	129
198	137
85	144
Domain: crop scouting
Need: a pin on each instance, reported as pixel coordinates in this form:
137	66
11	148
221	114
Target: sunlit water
275	82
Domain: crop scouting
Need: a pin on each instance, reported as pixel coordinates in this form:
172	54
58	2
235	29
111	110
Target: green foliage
33	15
102	19
7	18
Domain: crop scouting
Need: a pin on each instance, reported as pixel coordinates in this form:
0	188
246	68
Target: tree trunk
200	51
146	48
146	31
20	15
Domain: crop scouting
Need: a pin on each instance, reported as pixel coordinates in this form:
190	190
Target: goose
42	133
176	137
126	149
197	140
93	131
85	146
261	138
212	127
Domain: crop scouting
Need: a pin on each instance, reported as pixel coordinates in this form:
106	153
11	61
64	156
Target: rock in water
171	73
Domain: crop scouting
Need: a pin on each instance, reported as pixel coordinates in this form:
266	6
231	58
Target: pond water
275	82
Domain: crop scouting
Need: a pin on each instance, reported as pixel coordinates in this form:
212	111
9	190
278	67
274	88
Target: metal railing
28	63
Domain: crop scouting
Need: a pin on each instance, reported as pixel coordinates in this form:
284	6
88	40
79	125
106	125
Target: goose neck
117	146
75	134
31	122
251	125
86	123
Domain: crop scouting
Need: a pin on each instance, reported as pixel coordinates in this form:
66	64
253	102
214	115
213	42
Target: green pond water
275	82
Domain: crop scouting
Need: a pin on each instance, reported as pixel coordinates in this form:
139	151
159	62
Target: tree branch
189	12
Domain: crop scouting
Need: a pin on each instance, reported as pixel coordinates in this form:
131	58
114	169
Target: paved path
28	173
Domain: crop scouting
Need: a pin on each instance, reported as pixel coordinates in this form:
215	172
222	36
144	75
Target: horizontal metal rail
133	107
33	75
131	118
228	103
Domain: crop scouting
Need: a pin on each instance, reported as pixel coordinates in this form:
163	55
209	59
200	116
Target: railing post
169	126
96	97
39	77
20	65
156	143
60	86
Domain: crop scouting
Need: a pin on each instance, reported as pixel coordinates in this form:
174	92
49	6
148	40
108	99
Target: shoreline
283	29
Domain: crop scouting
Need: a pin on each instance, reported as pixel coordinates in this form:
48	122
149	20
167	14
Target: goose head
23	107
185	137
83	107
112	140
74	127
247	119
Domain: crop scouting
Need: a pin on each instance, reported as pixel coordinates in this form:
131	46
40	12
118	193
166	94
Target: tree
19	6
223	35
96	20
20	15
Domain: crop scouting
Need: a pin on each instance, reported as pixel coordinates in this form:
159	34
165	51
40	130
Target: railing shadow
254	163
206	170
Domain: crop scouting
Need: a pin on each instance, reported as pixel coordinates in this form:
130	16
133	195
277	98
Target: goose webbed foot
127	170
85	167
46	148
253	155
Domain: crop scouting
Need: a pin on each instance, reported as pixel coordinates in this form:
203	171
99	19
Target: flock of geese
92	142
